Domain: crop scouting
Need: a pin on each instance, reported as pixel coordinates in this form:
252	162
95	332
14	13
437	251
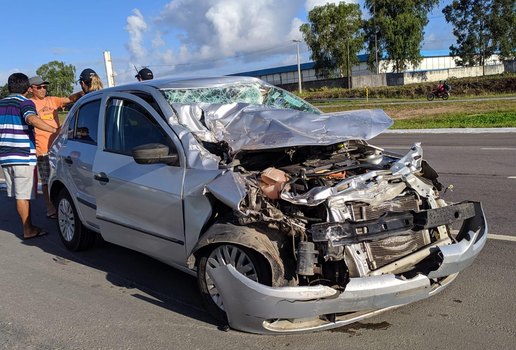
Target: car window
86	123
128	125
151	101
71	127
250	93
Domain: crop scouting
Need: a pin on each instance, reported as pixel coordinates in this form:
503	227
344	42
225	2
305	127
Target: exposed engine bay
343	208
346	210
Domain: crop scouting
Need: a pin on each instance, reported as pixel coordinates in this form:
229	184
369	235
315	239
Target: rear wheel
446	95
246	261
430	96
71	230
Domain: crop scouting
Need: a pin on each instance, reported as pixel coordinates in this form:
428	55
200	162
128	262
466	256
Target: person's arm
36	122
74	97
70	99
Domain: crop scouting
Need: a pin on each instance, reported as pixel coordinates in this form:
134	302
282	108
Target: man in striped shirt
18	118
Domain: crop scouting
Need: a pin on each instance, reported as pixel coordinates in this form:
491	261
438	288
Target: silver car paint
249	305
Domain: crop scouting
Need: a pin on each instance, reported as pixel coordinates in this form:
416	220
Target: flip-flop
39	234
52	216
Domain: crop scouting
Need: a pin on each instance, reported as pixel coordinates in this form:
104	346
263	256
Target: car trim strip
157	235
86	203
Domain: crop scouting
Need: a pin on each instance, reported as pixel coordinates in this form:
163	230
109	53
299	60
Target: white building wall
428	64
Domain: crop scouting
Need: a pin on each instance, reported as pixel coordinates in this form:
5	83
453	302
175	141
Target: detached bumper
255	308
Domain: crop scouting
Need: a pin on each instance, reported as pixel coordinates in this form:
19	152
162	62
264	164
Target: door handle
68	160
102	177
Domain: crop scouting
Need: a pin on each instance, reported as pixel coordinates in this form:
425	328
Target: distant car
289	218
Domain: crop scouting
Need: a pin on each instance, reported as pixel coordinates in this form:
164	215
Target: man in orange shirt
47	107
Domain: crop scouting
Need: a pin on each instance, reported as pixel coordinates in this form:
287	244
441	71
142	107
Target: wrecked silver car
288	217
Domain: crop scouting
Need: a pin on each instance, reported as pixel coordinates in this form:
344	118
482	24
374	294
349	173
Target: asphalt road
113	298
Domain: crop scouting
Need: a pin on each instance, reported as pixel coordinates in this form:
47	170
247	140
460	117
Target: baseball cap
37	81
145	74
86	74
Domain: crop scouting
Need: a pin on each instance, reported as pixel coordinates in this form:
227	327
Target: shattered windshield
249	93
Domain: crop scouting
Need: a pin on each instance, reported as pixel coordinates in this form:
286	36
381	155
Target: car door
77	155
139	206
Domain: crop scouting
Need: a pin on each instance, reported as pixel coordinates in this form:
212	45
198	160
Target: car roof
187	82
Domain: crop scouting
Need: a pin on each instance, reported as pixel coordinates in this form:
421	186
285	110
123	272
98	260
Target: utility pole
297	41
375	40
109	69
348	67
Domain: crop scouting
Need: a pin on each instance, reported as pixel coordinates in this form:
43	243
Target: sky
171	37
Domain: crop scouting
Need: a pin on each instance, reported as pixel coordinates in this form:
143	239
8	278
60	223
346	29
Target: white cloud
206	33
310	4
136	27
225	36
295	33
158	41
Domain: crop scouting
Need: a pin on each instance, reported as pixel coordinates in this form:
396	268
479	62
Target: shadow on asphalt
138	274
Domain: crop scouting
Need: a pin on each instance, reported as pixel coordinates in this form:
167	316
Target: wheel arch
55	188
244	236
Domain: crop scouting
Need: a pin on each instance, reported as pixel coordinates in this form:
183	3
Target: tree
60	76
503	27
335	37
4	91
470	20
482	28
395	29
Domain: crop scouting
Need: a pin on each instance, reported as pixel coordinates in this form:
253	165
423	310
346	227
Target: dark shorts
43	169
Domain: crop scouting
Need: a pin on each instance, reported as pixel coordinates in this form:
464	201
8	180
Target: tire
430	96
74	235
446	95
246	261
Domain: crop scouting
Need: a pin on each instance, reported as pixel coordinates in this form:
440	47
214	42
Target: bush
476	86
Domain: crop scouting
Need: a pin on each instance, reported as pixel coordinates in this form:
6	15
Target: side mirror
153	153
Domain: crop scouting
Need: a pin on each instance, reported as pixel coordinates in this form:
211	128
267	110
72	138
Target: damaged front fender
256	308
247	237
253	307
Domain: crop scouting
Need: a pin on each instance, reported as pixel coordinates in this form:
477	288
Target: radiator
385	251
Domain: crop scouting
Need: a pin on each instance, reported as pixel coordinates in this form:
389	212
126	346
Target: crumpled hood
251	127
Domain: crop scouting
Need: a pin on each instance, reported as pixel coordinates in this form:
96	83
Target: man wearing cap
144	74
47	107
19	118
90	81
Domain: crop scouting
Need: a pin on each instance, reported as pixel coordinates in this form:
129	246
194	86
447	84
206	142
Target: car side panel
140	206
77	171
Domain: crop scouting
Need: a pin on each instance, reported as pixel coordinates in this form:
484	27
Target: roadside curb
452	131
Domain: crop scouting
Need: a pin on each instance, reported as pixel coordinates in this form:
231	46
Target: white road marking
451	131
502	237
512	177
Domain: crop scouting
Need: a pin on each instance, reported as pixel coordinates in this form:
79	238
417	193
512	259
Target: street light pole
377	67
298	66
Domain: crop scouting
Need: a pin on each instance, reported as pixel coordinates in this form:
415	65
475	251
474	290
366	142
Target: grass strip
480	120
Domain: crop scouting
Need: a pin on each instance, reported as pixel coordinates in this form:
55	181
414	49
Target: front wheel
71	230
246	261
446	95
430	96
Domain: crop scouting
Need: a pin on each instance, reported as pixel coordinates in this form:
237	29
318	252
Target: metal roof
287	69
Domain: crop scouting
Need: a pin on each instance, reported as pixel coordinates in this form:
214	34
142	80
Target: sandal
38	234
